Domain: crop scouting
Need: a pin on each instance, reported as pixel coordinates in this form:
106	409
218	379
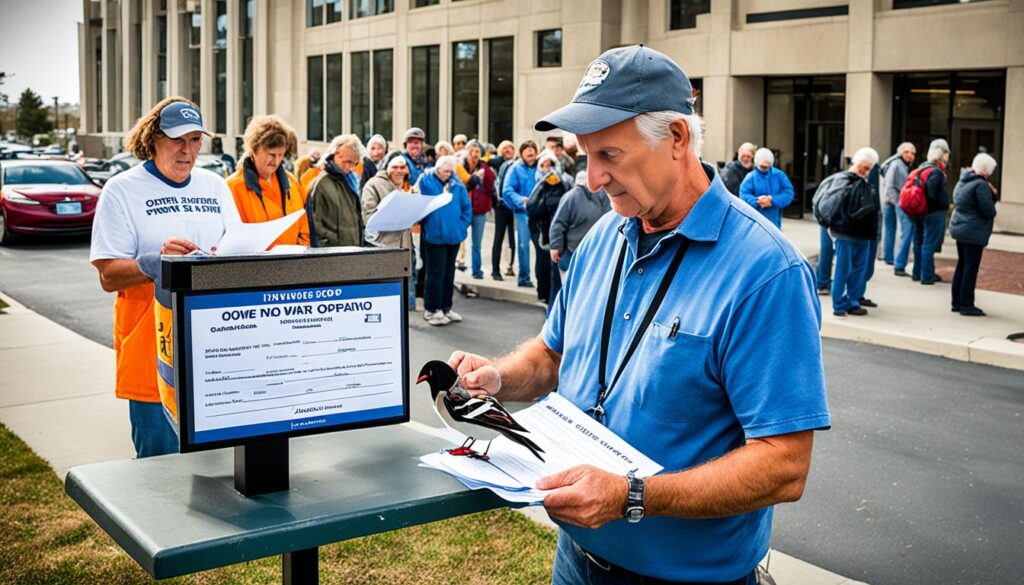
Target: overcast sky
39	47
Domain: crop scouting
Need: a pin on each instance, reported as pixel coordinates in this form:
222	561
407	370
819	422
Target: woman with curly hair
162	206
263	189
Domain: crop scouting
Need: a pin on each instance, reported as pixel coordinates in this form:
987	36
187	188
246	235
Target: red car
45	197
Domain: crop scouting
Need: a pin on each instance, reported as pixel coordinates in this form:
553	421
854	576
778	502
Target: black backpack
829	197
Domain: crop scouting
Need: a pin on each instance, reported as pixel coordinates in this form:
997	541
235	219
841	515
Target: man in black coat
854	227
734	172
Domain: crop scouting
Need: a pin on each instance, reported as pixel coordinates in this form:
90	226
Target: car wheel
6	236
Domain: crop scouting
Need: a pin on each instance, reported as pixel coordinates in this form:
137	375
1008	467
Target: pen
675	328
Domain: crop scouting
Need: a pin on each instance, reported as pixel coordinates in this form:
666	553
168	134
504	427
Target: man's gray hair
654	127
905	147
984	164
446	160
937	149
865	154
746	147
342	141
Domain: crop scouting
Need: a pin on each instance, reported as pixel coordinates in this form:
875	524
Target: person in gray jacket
974	208
392	176
577	212
894	173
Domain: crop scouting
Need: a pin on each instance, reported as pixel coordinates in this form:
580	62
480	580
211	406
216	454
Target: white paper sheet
569	438
253	238
400	211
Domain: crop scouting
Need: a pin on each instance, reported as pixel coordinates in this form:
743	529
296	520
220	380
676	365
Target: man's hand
556	256
177	247
585	496
476	373
891	201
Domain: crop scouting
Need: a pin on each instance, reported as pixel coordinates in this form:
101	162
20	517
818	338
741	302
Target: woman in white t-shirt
162	206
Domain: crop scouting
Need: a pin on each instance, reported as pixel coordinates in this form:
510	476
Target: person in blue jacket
515	190
442	232
767	189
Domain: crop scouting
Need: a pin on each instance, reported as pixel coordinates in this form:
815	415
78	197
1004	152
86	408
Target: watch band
635	498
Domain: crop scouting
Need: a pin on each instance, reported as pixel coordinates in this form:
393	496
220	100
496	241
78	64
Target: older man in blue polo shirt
692	287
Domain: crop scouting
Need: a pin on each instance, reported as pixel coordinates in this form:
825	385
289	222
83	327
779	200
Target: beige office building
812	79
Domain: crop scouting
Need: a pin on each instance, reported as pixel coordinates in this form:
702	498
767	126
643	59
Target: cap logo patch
190	114
595	75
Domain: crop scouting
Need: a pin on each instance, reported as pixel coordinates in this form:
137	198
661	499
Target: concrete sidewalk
57	395
909	315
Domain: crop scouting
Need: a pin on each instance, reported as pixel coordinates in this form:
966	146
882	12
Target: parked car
101	171
213	162
45	197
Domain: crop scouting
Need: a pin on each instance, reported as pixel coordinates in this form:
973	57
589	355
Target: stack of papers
254	238
399	210
569	438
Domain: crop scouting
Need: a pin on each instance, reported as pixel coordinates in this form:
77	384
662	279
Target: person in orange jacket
262	188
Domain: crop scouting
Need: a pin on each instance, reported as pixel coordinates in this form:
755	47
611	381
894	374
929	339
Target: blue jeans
872	255
824	271
888	231
477	226
523	244
412	282
906	237
927	236
152	433
573	567
852	257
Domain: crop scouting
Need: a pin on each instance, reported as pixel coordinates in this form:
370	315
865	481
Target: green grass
46	539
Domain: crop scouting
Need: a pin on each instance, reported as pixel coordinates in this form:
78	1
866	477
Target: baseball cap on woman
180	118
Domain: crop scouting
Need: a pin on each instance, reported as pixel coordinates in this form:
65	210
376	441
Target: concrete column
86	83
733	115
261	61
107	83
175	39
1011	207
207	89
149	42
233	98
127	57
868	112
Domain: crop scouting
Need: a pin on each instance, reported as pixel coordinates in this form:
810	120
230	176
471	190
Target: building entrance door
823	157
969	138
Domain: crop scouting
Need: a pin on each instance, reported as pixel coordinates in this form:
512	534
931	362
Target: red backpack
913	197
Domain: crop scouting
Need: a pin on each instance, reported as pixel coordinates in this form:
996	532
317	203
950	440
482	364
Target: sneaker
427	315
527	284
955	309
510	272
839	314
478	276
453	316
468	291
864	302
438	318
496	276
461	267
858	311
900	272
823	291
937	278
972	312
929	282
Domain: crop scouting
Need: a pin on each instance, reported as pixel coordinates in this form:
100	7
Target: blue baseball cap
621	84
180	118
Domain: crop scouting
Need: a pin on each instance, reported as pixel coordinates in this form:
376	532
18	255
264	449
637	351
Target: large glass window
466	88
334	94
804	127
220	62
422	3
191	54
360	95
314	12
161	57
425	89
500	88
334	11
549	48
965	107
383	88
363	8
245	49
683	13
315	98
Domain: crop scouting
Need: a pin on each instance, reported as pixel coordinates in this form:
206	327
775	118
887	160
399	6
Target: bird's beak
422	378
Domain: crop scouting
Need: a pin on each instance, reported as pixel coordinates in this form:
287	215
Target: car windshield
68	174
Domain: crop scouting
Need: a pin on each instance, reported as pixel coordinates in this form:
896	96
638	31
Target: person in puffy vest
767	189
851	213
929	229
974	208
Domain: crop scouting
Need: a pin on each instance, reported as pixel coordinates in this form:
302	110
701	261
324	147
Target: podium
270	347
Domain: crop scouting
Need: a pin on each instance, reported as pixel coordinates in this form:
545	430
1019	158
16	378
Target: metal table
180	514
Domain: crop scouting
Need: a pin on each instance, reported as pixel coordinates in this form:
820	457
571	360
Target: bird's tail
525	442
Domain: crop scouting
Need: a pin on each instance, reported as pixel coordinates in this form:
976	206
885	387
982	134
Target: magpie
458	408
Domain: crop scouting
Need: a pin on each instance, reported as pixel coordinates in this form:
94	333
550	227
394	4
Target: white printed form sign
283	361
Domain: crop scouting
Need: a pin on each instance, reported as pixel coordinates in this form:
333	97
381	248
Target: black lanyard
609	314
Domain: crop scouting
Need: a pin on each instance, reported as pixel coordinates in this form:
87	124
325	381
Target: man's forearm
761	473
529	372
119	274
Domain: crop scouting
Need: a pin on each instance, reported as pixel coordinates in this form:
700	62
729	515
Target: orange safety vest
308	176
134	340
254	210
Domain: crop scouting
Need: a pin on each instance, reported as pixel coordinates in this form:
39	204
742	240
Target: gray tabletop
180	514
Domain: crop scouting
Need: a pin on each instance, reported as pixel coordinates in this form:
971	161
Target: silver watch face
635	513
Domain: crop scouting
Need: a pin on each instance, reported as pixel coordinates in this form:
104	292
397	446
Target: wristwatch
635	498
